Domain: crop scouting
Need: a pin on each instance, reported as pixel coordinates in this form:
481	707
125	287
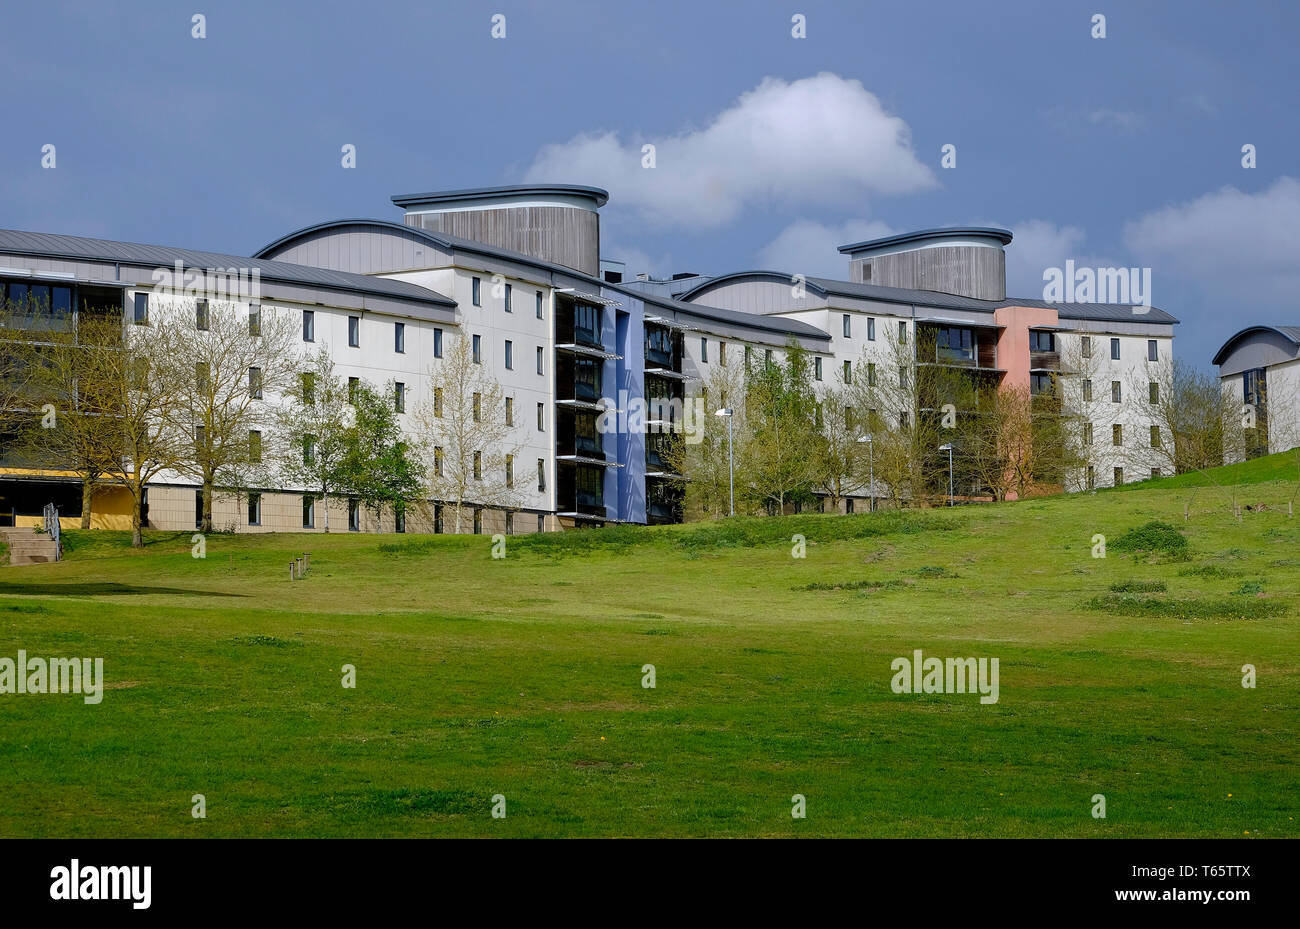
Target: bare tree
707	463
311	434
463	433
227	362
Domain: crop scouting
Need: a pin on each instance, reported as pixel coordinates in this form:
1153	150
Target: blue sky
770	150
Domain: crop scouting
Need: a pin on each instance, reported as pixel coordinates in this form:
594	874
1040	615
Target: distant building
1259	369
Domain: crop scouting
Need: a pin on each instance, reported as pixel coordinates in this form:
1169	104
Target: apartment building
516	272
1259	371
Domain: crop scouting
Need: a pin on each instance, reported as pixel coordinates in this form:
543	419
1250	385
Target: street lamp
948	448
871	464
731	460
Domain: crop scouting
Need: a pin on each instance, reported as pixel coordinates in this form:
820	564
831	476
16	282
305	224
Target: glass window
141	307
539	304
255	383
399	338
354	331
254	446
474	292
1153	352
704	350
255	509
1115	392
254	319
509	295
817	367
437	343
478	350
848	326
399	397
1114	349
309	325
510	355
308	511
871	330
354	516
201	315
541	366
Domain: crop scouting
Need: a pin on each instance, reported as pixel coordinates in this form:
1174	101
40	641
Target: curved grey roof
1290	333
825	286
777	324
596	195
76	248
948	232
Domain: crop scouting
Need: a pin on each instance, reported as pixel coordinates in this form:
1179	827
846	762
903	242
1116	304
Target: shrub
1156	537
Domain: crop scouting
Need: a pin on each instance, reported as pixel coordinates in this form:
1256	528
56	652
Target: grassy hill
522	676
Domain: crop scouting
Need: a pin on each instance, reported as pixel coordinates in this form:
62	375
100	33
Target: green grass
1263	470
522	676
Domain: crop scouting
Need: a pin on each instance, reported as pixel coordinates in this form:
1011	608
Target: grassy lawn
522	676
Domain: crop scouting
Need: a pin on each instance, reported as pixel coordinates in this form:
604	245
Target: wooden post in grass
292	566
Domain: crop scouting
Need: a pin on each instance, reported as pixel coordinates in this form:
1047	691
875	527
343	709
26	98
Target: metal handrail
52	527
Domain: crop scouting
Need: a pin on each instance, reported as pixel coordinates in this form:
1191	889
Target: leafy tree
379	466
311	429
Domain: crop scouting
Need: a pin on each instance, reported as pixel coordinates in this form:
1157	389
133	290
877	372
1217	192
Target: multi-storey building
1259	370
517	272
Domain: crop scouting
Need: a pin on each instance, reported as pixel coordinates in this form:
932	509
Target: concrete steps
28	547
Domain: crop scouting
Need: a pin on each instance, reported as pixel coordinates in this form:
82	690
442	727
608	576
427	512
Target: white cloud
815	141
809	248
1037	245
1120	119
1238	247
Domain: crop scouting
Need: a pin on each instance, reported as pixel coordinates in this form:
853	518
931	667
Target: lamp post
871	465
731	460
948	448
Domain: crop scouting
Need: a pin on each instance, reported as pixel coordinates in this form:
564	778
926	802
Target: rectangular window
1086	346
437	518
399	518
1155	472
510	523
722	353
200	436
539	304
847	374
254	446
309	325
478	521
141	309
308	449
541	417
437	343
198	509
1042	341
1117	434
1115	392
1155	436
541	522
478	466
902	332
478	407
1153	392
254	319
510	411
871	330
437	402
1119	476
1114	349
902	377
399	338
541	475
1087	391
767	356
1153	353
437	460
817	368
354	516
399	397
509	295
308	511
510	470
308	387
510	355
354	331
352	389
255	383
201	315
848	326
1087	433
1092	477
704	351
749	353
541	362
201	376
255	509
871	373
475	294
478	350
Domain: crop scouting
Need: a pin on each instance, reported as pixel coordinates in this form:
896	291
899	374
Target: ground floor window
478	521
354	516
437	518
510	523
198	509
541	522
308	512
255	509
399	519
1119	476
848	504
